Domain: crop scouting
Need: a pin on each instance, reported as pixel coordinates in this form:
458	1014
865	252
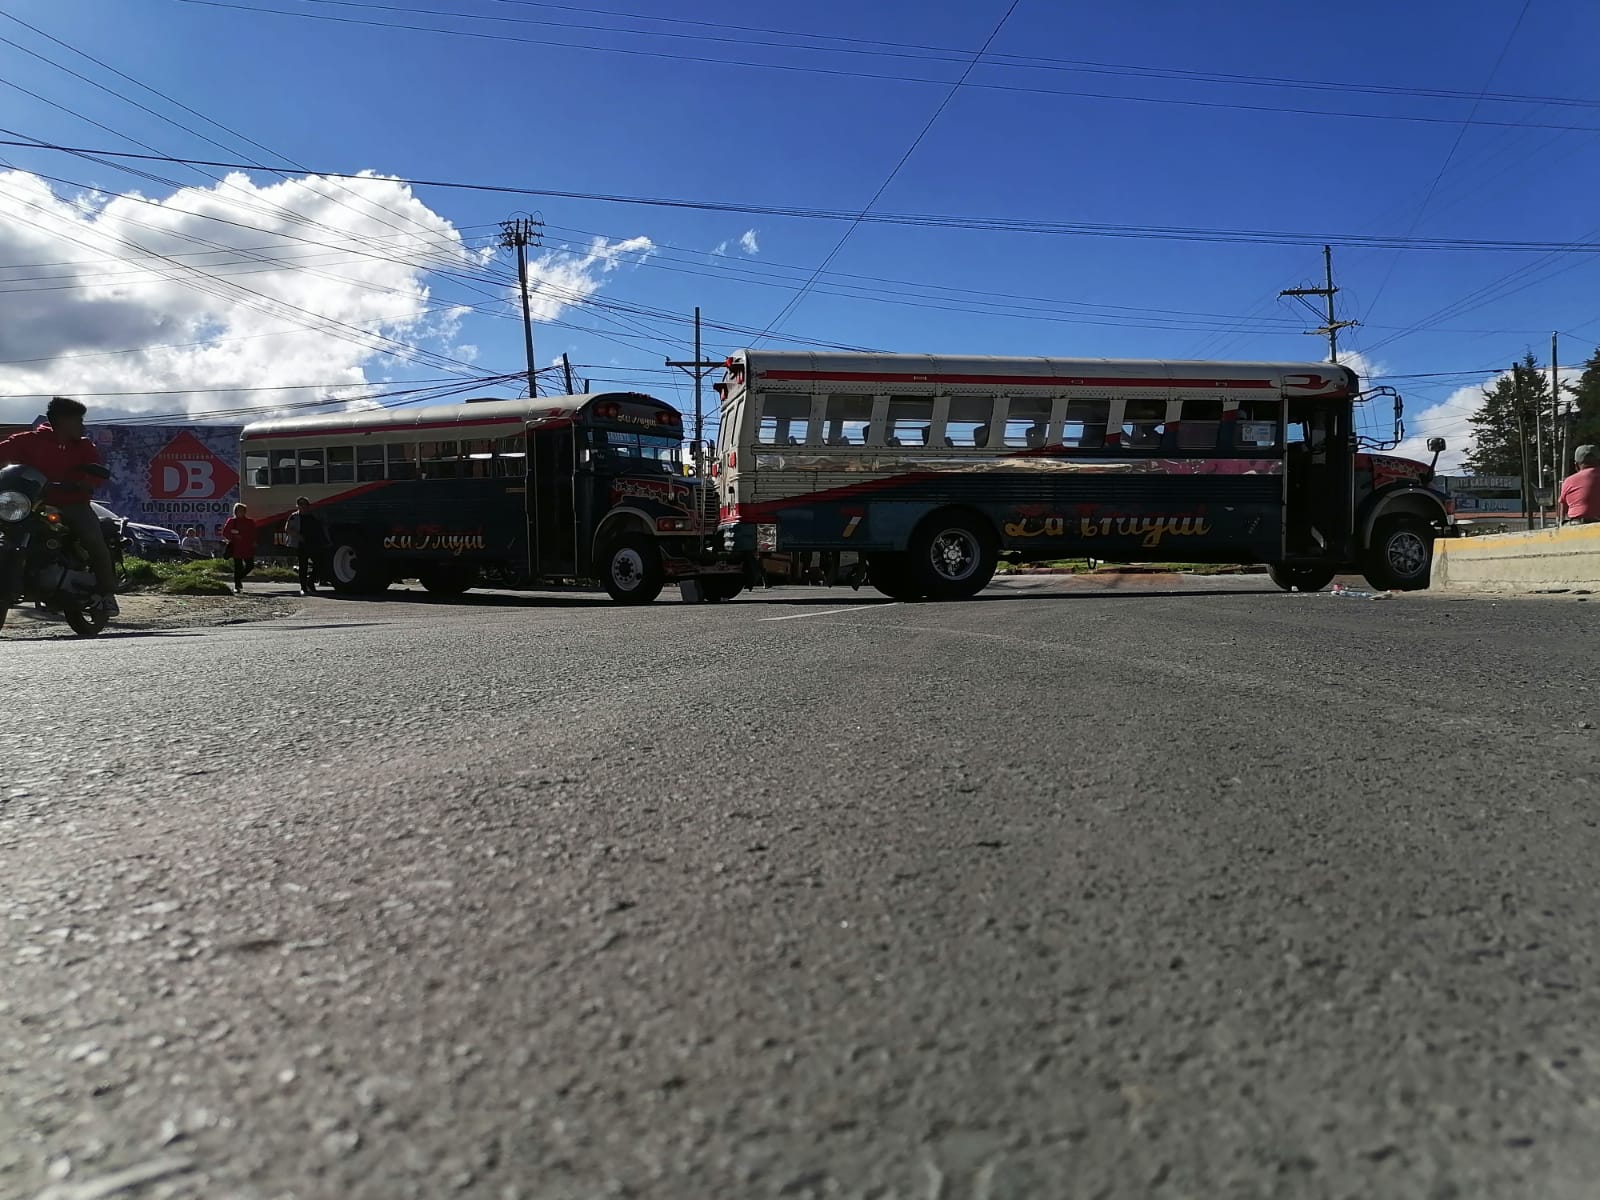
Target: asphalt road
1152	892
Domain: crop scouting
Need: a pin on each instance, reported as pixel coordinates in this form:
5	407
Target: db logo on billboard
186	469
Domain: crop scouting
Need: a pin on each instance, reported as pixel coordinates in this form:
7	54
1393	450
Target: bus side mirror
1436	445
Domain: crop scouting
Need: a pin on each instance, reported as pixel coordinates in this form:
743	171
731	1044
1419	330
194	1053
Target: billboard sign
172	475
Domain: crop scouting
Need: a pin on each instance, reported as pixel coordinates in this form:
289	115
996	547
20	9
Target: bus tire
717	588
953	555
1400	557
351	575
447	579
1300	579
891	575
631	570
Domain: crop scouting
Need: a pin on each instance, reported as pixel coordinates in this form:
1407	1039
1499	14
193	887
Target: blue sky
1077	114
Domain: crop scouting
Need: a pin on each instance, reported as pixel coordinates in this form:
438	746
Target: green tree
1496	441
1586	394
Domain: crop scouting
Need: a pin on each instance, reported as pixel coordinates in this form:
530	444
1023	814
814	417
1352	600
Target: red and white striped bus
930	469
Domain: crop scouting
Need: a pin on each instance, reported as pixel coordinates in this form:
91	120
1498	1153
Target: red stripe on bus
1009	380
370	486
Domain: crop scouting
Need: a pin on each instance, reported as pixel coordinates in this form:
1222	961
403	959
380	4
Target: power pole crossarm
1330	330
519	234
697	367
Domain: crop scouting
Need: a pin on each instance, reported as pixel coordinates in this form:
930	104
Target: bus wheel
953	556
891	575
1401	555
631	569
717	588
351	576
447	579
1300	579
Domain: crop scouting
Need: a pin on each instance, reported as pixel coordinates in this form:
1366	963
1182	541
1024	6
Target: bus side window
968	423
255	467
1027	422
846	420
784	418
283	466
1256	426
1198	424
341	464
1143	423
1085	426
440	460
511	457
369	463
910	418
311	468
402	460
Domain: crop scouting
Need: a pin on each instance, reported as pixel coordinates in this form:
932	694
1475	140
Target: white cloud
747	242
1448	419
235	286
559	279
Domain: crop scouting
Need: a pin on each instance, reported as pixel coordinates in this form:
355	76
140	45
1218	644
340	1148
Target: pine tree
1586	394
1496	441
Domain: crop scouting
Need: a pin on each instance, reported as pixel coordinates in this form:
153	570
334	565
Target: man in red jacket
72	465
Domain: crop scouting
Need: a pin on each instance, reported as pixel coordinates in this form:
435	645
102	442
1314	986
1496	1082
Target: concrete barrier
1536	560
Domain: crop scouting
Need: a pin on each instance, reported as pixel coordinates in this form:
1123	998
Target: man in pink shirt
1580	494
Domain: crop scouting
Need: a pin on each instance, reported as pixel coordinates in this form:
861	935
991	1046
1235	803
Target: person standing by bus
239	538
310	540
1580	494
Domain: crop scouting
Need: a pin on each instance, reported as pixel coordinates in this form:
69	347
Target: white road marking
831	612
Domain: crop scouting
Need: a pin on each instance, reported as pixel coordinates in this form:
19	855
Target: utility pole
698	369
1558	463
1330	329
566	368
1522	443
520	233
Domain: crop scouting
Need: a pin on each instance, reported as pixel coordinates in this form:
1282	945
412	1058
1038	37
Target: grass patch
1065	564
195	577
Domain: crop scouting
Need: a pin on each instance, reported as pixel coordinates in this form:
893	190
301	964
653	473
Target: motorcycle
41	559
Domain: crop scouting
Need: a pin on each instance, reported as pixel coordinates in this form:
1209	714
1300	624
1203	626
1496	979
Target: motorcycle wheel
85	622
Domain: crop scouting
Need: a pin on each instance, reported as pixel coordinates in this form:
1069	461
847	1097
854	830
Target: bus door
1319	484
552	519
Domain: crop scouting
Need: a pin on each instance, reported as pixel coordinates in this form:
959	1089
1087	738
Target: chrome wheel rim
1408	553
954	554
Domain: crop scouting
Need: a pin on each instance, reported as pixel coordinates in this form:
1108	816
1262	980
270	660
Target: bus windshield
635	452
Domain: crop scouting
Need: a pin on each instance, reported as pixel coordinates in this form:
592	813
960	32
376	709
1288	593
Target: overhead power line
925	220
794	301
544	41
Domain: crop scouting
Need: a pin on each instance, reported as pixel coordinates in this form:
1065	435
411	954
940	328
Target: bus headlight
14	506
767	538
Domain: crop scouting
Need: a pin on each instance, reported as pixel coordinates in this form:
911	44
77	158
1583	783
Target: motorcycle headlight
14	506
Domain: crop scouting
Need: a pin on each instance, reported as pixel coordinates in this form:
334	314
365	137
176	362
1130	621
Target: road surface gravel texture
1081	889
